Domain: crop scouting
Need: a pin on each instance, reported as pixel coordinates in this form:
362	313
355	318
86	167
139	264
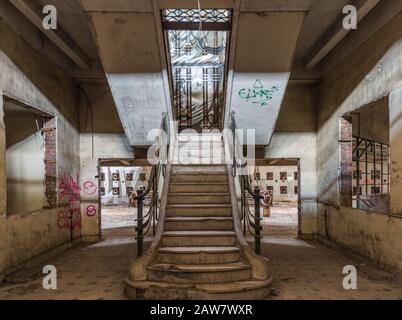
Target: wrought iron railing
251	221
148	221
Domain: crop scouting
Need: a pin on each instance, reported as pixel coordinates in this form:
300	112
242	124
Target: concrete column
395	127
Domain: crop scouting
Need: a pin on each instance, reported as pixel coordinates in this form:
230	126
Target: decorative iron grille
197	61
197	15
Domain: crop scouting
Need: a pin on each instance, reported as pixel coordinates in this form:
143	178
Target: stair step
239	290
198	223
197	143
208	273
198	255
199	210
199	150
199	178
220	187
199	169
180	160
198	238
198	138
199	198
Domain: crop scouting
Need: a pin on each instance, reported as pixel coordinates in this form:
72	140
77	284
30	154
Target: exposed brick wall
345	161
49	131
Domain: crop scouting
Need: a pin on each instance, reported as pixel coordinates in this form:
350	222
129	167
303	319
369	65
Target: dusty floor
118	216
301	270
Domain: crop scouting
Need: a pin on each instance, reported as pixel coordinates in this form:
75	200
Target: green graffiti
258	94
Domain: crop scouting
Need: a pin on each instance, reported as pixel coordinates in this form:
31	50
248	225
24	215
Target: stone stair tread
196	173
198	249
223	288
196	219
198	194
199	233
201	205
207	183
234	286
196	268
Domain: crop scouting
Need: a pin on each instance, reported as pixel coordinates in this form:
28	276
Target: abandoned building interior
289	121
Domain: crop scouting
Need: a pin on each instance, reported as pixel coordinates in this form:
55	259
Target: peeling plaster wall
302	146
295	137
109	141
25	75
261	73
133	68
105	146
371	72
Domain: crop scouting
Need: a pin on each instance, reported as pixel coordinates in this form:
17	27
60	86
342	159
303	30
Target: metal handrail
150	219
251	222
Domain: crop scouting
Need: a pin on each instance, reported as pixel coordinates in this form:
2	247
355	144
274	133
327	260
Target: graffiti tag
69	189
258	94
89	188
69	219
91	210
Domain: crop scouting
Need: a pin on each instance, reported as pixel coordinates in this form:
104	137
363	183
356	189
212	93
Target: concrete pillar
395	127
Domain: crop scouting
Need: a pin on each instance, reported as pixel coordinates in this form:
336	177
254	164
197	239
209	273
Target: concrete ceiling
73	19
321	16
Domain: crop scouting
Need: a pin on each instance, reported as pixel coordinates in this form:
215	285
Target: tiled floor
301	270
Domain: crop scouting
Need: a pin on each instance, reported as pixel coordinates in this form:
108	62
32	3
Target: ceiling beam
32	10
336	33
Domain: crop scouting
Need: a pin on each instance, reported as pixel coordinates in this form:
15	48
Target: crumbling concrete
370	73
27	77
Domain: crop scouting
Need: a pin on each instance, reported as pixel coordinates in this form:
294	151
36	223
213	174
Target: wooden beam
336	33
32	10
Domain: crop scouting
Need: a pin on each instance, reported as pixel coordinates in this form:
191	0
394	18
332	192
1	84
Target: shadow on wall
339	84
50	80
25	151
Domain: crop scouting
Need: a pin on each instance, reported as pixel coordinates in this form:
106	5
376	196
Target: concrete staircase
198	255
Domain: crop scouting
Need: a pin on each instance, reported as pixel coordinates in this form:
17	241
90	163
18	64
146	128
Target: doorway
119	181
280	179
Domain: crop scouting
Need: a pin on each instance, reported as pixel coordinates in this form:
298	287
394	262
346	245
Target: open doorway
118	185
280	180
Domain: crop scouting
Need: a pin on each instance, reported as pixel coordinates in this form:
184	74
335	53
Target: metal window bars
371	171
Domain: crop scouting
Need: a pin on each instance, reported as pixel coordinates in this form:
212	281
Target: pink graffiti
90	188
69	219
69	189
91	210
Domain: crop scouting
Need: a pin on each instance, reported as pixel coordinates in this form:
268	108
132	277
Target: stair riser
201	170
199	212
199	153
199	225
199	178
203	146
195	241
200	161
199	277
185	294
199	188
198	258
197	143
209	199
